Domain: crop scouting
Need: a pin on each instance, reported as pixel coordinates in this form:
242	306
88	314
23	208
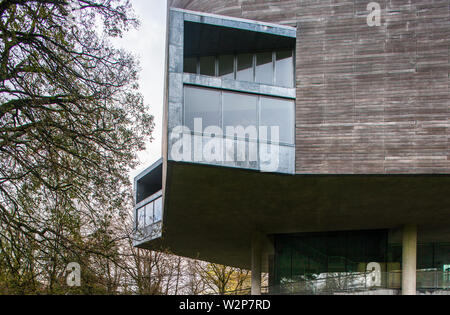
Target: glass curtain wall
232	109
300	258
307	257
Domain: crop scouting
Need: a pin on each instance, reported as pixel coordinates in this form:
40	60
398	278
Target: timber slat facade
370	100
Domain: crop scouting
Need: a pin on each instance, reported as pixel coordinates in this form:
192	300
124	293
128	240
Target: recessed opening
237	54
149	184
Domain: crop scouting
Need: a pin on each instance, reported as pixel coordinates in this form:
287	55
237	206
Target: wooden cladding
370	100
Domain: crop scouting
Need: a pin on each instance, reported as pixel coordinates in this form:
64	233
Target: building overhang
211	212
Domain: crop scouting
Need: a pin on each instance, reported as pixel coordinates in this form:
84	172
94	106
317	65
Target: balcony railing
149	216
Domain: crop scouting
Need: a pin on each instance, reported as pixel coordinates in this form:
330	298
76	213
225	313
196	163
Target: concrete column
256	263
409	268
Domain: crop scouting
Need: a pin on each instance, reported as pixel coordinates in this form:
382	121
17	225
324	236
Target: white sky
148	44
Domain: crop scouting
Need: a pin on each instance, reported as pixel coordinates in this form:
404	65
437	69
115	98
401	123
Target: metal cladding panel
370	100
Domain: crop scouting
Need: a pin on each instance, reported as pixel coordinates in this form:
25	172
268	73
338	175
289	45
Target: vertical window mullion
221	112
254	68
198	65
274	62
235	62
258	124
216	62
153	212
293	69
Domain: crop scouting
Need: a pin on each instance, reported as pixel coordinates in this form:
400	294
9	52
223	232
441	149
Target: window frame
259	98
143	207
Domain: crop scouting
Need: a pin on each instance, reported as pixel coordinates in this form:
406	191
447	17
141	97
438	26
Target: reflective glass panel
244	67
239	110
201	103
149	214
278	112
141	218
158	210
315	256
284	68
264	68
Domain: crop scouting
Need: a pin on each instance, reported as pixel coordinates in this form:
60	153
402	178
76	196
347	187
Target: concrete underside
212	212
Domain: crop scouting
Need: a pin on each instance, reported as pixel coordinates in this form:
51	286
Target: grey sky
148	44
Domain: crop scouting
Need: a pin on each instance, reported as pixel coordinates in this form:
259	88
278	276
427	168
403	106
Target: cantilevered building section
302	141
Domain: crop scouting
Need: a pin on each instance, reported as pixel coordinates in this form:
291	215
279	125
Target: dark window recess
190	65
150	184
244	67
208	65
271	67
264	68
284	66
243	55
226	66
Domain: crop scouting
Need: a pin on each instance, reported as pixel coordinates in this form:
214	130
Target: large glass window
244	67
232	109
309	257
264	68
284	68
202	103
239	110
280	113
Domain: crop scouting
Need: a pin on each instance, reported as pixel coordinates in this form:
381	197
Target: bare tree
219	279
71	122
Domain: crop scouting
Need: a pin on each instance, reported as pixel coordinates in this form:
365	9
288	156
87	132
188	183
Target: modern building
309	140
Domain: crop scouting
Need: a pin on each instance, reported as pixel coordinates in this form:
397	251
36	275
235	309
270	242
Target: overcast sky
148	44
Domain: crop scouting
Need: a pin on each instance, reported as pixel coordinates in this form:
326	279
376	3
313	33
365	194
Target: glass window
239	110
284	68
278	112
309	256
244	67
190	65
141	218
201	103
226	66
208	65
158	210
264	68
149	214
